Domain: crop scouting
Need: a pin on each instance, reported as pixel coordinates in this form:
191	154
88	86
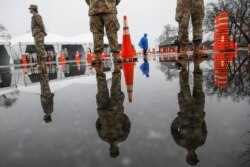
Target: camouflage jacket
102	6
37	25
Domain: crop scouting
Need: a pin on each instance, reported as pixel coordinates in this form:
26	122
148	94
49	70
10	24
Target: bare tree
168	31
3	33
239	16
238	81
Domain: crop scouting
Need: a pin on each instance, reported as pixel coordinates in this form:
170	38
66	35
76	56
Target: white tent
19	44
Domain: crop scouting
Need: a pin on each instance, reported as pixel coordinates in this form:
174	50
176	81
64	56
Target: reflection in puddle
189	128
112	125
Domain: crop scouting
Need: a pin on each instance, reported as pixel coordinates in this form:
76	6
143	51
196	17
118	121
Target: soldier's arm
87	1
118	1
39	22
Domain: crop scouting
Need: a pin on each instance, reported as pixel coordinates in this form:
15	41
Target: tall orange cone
128	71
127	49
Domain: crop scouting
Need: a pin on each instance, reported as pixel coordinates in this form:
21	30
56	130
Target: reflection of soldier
186	9
38	32
46	96
189	128
103	14
113	126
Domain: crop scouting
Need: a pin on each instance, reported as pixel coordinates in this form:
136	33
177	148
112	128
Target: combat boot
97	60
183	52
117	59
198	53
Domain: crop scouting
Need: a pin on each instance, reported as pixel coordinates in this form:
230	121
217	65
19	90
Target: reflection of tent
53	42
5	52
5	60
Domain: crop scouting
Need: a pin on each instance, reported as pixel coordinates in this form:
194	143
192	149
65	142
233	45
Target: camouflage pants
39	43
186	9
111	24
104	101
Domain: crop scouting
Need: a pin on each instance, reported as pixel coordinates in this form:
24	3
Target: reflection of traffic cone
236	46
128	70
127	50
231	44
222	44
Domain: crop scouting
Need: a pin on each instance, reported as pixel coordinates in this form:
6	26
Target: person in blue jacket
143	44
145	67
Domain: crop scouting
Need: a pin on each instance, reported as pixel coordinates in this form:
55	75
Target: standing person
185	10
38	32
144	44
102	14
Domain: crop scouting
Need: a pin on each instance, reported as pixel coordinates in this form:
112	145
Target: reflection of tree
9	99
169	70
238	81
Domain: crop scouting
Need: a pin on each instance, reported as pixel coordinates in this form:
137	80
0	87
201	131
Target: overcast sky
70	17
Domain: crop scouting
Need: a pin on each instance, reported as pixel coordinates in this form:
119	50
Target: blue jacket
144	42
145	68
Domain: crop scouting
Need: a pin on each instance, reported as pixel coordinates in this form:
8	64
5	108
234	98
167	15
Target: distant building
170	43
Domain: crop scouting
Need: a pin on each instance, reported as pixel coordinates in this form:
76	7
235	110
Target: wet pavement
176	117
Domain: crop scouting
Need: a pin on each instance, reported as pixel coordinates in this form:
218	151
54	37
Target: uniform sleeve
118	1
87	1
39	22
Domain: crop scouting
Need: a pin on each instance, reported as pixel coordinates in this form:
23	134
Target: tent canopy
19	44
51	38
87	39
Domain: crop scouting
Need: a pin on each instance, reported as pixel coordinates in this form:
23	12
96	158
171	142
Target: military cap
33	7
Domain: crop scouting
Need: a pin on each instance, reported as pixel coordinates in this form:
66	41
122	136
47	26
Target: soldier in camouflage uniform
38	32
185	10
102	14
113	126
46	95
189	128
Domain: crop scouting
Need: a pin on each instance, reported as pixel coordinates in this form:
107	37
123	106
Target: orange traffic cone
77	57
127	50
78	60
61	58
128	70
24	64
